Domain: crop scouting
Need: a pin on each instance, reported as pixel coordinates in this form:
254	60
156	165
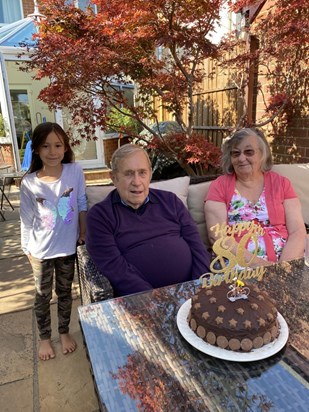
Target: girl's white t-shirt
49	213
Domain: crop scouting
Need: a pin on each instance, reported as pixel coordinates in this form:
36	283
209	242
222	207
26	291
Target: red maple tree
160	46
193	153
85	54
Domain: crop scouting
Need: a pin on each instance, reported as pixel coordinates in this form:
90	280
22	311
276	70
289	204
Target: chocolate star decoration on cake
219	320
205	315
240	311
233	323
247	324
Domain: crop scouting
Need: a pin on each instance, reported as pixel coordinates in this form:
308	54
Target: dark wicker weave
94	287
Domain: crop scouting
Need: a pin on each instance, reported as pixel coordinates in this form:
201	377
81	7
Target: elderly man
142	238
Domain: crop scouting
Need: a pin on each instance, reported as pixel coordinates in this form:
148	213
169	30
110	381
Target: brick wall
110	145
291	144
28	7
6	156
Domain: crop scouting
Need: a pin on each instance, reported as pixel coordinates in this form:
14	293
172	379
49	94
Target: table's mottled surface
141	362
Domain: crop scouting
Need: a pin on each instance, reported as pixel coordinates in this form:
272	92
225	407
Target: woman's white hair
234	141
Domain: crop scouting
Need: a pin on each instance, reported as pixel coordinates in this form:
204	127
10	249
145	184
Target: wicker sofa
95	287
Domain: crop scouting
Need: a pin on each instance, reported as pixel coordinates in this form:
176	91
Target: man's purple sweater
154	246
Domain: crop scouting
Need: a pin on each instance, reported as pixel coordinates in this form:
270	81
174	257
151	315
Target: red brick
28	7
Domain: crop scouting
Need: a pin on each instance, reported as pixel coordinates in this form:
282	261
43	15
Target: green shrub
2	126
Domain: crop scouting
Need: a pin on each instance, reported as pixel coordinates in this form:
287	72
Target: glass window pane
22	117
84	150
23	36
129	95
10	11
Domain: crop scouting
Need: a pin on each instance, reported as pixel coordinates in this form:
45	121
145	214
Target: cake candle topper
238	291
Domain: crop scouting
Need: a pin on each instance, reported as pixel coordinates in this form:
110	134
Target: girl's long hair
39	136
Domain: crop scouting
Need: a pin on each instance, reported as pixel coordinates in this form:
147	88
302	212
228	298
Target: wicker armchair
94	287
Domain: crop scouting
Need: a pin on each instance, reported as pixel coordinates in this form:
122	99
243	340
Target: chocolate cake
239	324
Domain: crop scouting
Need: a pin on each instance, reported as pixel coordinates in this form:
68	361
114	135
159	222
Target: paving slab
10	228
17	396
16	355
16	284
10	247
65	383
10	214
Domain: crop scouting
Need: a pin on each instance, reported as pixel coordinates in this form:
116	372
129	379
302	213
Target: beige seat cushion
179	186
299	177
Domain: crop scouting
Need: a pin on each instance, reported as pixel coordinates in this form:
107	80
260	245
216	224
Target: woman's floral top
242	209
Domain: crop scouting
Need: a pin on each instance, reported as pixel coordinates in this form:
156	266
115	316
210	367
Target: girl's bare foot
68	343
46	350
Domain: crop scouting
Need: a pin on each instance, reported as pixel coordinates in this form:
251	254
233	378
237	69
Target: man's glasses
246	152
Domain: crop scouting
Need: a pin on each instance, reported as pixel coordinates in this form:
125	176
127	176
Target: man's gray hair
124	151
235	139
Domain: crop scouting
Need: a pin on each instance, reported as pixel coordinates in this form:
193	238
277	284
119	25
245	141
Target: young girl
53	209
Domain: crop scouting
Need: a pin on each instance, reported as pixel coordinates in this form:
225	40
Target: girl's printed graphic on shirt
64	209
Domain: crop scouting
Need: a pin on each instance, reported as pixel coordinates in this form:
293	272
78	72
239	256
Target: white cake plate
255	354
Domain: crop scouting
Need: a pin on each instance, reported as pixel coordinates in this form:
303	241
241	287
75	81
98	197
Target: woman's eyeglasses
246	152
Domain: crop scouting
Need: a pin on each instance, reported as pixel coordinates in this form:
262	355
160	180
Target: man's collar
117	199
145	202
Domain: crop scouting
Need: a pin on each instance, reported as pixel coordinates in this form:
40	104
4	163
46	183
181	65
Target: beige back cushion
196	196
97	193
299	177
179	186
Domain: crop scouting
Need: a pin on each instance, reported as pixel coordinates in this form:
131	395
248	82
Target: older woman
250	191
